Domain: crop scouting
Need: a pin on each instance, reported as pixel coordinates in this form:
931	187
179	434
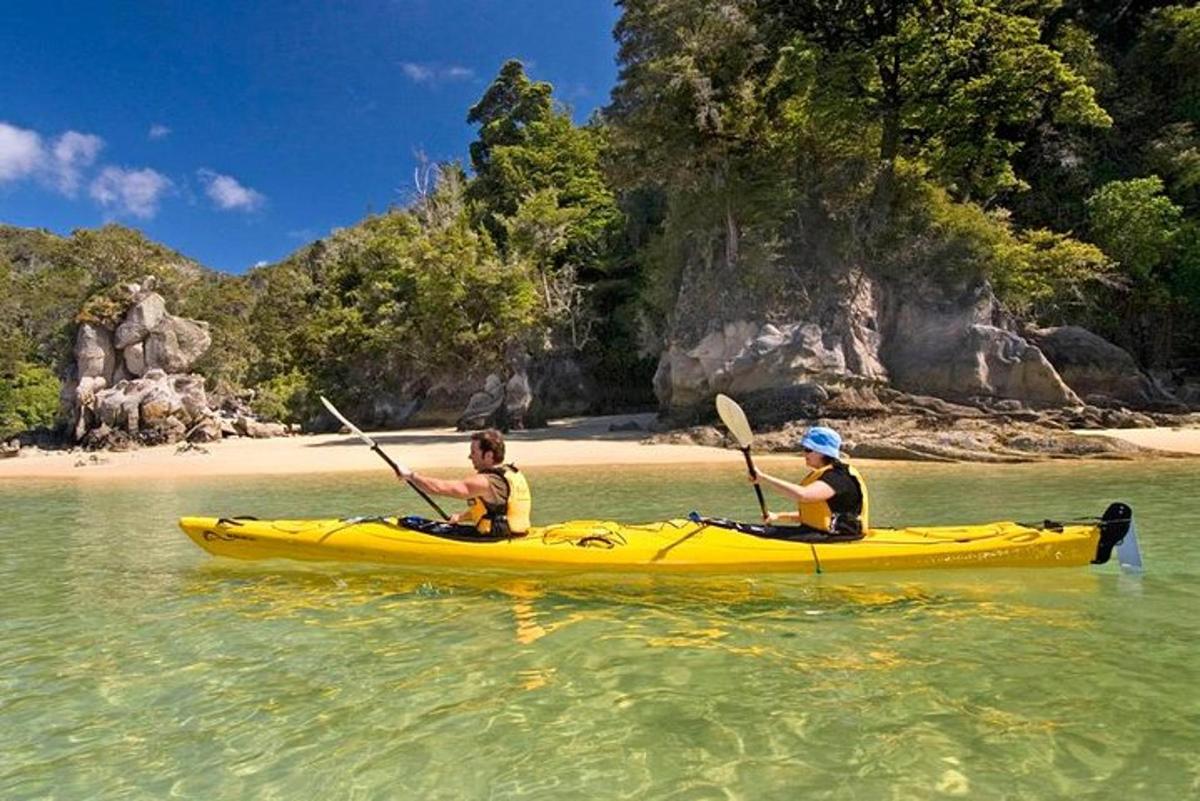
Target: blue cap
824	441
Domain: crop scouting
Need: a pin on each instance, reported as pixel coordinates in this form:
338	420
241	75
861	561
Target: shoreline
574	441
583	441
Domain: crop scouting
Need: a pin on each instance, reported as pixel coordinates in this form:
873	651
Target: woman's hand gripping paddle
375	447
735	420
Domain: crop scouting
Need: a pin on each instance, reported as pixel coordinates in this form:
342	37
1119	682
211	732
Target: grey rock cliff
852	330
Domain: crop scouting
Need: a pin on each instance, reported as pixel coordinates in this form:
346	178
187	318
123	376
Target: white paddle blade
353	428
735	420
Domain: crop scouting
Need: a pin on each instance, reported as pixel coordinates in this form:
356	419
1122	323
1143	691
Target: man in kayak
831	500
497	496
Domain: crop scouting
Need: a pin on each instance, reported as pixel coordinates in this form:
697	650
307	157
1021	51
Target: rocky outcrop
131	385
920	338
526	393
534	391
960	345
153	409
484	404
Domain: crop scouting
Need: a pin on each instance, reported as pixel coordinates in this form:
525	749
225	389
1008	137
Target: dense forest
1049	147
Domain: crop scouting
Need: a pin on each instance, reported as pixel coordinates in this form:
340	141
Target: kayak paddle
375	447
735	420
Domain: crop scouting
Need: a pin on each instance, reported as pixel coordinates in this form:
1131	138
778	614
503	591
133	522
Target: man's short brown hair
490	441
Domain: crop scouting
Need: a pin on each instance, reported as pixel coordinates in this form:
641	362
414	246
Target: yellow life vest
515	510
818	514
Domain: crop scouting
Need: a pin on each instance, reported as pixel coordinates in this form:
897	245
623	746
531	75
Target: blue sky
236	132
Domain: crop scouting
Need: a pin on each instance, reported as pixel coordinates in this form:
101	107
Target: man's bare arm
476	486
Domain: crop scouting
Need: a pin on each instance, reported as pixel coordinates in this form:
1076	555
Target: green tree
686	112
955	85
400	298
541	192
505	114
1137	225
527	145
1160	99
28	398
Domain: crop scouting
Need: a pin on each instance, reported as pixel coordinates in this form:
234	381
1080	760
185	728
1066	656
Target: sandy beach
1178	440
576	441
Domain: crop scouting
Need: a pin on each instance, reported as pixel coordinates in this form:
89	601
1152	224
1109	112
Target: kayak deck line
678	545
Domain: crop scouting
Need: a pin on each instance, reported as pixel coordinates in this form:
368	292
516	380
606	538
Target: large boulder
193	400
146	313
208	429
78	400
94	352
157	403
959	345
135	359
744	356
518	397
973	361
483	404
257	429
560	388
176	343
1096	369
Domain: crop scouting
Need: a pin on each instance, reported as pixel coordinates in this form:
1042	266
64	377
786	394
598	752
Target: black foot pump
1114	525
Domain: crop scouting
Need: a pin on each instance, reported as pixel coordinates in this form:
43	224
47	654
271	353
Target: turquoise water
133	665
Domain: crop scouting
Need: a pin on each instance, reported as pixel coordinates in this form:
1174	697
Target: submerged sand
576	441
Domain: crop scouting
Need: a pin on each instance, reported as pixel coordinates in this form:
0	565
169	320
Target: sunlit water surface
133	665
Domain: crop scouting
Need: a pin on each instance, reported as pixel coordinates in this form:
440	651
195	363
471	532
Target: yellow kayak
697	545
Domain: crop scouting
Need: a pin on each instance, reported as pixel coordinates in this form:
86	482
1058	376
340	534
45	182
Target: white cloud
24	154
228	193
21	152
133	192
416	72
71	153
158	131
432	73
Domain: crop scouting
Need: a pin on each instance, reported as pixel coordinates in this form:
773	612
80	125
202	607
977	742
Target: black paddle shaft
762	504
421	492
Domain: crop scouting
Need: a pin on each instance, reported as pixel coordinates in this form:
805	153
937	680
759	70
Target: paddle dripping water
134	665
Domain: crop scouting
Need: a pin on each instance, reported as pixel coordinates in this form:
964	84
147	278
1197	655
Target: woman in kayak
497	496
831	500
